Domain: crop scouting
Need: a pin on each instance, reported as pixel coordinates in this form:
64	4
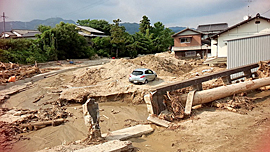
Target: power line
266	11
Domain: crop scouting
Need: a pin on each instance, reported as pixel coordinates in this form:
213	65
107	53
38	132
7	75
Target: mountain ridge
131	28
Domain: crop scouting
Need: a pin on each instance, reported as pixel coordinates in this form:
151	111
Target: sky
185	13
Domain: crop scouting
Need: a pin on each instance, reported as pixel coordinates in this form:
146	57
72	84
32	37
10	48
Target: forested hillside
32	25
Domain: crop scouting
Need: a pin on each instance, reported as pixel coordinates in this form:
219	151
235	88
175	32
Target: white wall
249	28
213	48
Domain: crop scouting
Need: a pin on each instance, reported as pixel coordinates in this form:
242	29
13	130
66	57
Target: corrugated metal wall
248	50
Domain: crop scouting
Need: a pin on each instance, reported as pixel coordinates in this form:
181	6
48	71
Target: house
191	42
89	32
248	27
188	43
15	34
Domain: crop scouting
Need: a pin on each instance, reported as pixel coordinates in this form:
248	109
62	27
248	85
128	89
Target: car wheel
155	77
146	81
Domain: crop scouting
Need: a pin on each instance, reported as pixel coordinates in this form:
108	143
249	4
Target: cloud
170	12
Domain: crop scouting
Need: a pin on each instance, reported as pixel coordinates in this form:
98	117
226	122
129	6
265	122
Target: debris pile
9	134
12	70
241	103
238	103
264	69
27	120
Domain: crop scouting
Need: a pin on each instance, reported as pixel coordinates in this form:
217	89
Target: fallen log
38	125
206	96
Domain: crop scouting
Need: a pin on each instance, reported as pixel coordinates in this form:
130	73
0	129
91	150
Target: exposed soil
209	128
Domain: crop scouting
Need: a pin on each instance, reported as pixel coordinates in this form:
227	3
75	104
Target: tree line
63	42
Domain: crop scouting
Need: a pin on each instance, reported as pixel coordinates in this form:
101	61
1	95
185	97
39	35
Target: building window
185	40
190	53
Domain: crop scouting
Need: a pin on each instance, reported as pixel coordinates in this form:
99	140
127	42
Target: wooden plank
131	132
189	102
110	146
158	121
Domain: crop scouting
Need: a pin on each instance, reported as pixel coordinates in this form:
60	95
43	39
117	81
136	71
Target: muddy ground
121	105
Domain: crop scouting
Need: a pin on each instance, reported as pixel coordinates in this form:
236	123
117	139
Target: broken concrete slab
190	98
158	121
131	132
148	101
110	146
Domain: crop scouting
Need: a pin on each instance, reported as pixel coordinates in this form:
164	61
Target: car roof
140	69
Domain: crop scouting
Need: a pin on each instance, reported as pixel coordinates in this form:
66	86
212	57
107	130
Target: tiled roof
22	32
31	34
89	29
212	28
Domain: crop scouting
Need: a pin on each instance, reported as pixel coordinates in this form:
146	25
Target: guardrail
196	83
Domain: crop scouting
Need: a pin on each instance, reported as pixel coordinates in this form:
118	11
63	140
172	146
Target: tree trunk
206	96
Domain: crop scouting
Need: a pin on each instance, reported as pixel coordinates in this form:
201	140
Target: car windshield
137	72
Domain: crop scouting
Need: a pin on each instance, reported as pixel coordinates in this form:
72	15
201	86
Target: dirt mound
163	65
121	68
111	79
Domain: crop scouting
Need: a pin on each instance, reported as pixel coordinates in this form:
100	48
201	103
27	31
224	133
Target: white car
142	75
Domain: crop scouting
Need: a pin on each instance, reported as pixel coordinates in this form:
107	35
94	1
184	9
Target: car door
150	74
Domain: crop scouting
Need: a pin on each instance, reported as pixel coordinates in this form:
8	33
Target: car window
137	72
150	72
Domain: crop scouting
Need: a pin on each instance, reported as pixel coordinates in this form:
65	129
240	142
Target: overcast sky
187	13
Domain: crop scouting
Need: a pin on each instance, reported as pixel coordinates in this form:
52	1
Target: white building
248	27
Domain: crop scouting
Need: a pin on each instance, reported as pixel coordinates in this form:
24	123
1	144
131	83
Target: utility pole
4	17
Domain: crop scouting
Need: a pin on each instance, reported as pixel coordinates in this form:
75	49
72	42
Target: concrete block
148	101
158	121
131	132
110	146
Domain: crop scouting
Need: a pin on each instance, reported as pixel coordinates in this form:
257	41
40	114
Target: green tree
161	37
143	42
64	42
100	25
117	36
144	24
43	28
102	46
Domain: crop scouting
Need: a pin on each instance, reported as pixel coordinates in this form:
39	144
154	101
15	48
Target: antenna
248	1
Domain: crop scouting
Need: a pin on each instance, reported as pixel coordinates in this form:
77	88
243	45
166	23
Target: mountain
131	28
177	29
32	25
